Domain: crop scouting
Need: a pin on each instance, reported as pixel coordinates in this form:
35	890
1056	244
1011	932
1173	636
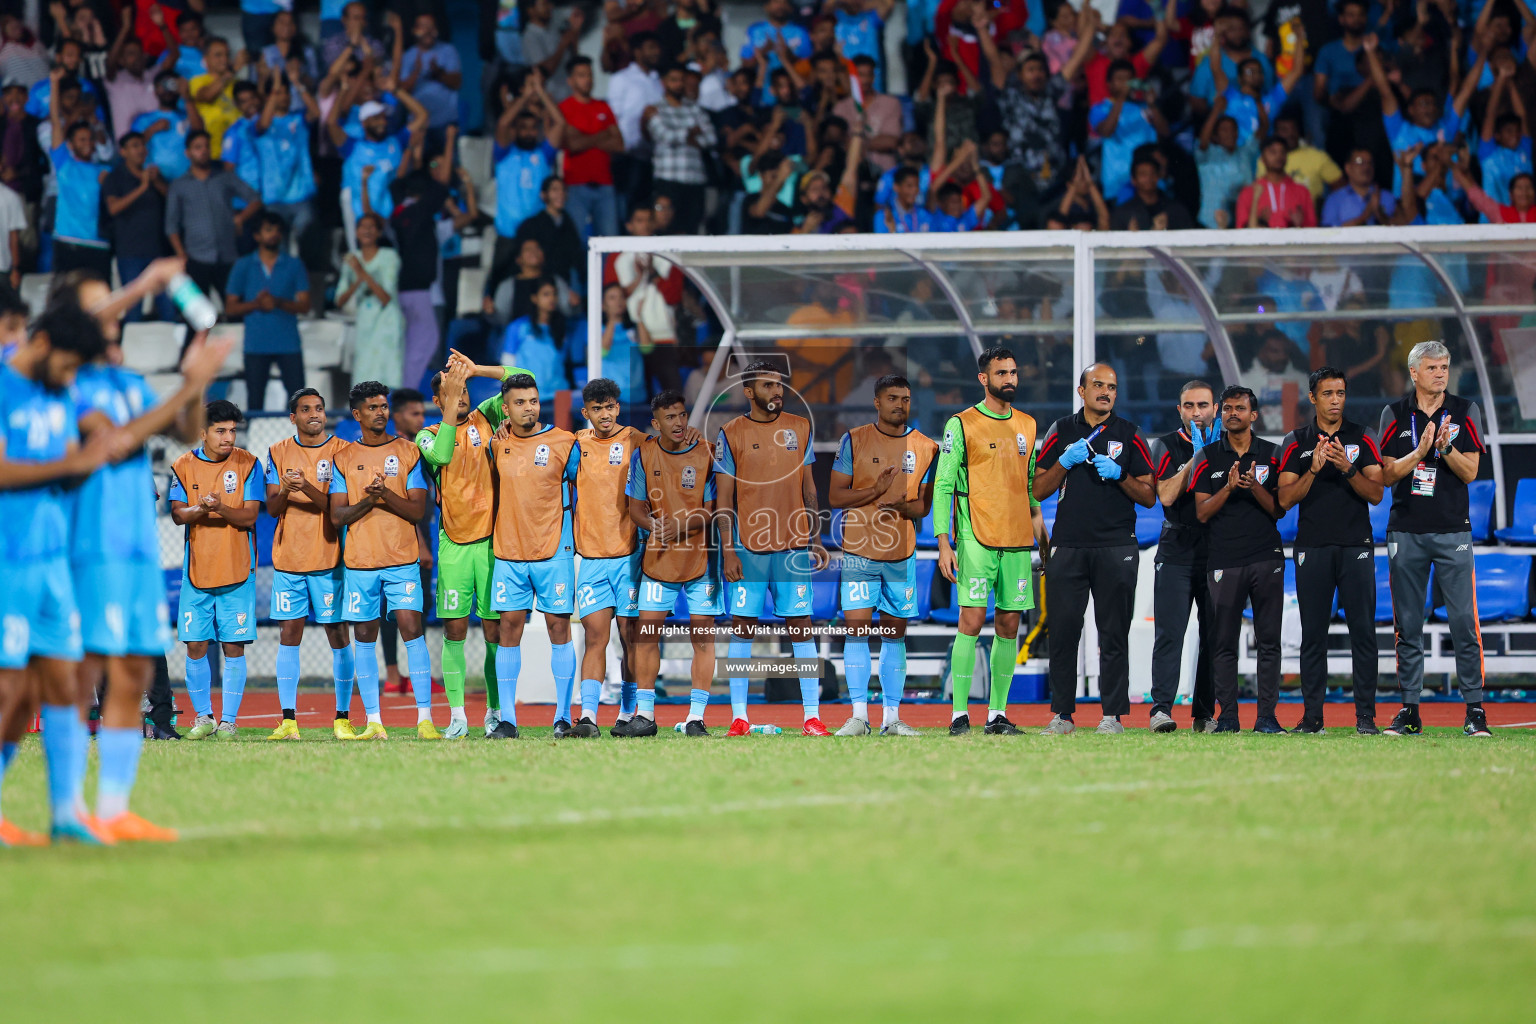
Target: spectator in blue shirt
1505	149
256	17
1123	124
1248	102
165	130
282	148
189	62
1225	167
861	32
1359	200
907	213
72	62
378	149
528	137
1335	70
536	342
78	241
763	39
1426	122
430	71
238	147
1234	41
269	289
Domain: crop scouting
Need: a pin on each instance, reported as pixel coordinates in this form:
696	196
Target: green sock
492	697
962	665
453	672
1004	651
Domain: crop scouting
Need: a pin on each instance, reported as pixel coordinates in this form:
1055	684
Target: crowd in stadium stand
129	130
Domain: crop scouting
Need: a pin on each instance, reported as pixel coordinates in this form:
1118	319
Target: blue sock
562	664
119	752
418	665
79	761
288	677
645	704
856	669
810	689
58	748
697	701
368	676
7	755
234	687
509	665
199	687
591	690
627	693
893	672
739	648
343	670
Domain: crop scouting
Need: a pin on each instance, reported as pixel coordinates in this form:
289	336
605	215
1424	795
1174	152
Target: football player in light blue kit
216	494
39	624
115	546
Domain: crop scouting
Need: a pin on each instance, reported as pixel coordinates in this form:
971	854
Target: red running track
316	711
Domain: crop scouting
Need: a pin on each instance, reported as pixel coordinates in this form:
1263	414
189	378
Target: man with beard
986	463
1104	470
378	149
681	133
200	219
269	289
525	156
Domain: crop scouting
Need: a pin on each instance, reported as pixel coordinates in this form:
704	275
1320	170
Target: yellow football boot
425	730
288	729
343	729
374	731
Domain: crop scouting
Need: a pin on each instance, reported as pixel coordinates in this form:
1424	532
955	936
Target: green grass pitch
1140	877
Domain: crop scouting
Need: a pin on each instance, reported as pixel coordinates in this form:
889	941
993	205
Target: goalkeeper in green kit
987	531
456	453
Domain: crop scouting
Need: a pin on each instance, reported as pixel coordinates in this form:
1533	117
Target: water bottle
765	730
678	727
192	303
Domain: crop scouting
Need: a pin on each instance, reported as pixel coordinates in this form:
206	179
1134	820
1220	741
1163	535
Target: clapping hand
1338	457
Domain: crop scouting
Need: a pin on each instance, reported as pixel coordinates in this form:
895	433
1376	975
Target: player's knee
233	650
291	633
336	633
455	629
559	627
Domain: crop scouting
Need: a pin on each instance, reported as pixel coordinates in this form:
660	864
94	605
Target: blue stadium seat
1503	587
1149	524
1522	529
951	616
1048	511
1480	495
1380	513
925	537
266	528
1288	524
926	567
824	595
1383	590
832	536
1290	586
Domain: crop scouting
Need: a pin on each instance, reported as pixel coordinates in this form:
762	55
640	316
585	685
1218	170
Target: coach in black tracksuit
1236	485
1104	471
1179	582
1331	468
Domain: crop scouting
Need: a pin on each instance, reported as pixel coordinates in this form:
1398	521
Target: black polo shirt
1432	498
1185	539
1332	514
1242	532
1094	512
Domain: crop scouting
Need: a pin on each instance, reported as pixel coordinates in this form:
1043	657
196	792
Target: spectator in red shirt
1119	44
956	23
1275	200
591	136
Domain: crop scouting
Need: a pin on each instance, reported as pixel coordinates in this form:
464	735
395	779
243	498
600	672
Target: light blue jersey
38	426
168	148
239	151
114	510
385	157
287	174
520	173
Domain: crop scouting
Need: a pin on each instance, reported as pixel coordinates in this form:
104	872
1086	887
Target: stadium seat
1522	527
926	541
469	301
926	567
951	616
1380	513
153	346
824	595
475	153
323	342
1048	512
1288	524
1503	587
34	291
1383	590
832	536
1149	524
1480	495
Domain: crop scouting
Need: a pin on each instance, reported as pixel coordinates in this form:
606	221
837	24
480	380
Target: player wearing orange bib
536	466
608	580
216	494
378	495
883	476
306	557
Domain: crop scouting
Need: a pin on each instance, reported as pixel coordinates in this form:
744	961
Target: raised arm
1378	77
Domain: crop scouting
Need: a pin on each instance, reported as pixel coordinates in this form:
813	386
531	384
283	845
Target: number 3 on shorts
452	600
741	597
978	588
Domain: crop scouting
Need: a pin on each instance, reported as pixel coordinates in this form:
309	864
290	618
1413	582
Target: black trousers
1351	571
258	370
1231	590
1109	576
210	277
687	205
68	256
1175	589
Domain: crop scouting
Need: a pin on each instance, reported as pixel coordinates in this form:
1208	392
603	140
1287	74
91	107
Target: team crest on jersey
791	441
1351	452
392	466
323	471
1021	586
720	450
410	588
230	481
1022	442
559	589
240	619
616	454
948	444
709	591
910	592
1115	448
474	436
634	593
690	477
330	599
1451	432
1261	472
541	455
909	462
799	589
1217	575
1301	558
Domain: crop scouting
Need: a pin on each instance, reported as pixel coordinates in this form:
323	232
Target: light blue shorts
890	586
787	573
297	595
514	585
122	607
609	583
226	614
367	589
38	615
705	595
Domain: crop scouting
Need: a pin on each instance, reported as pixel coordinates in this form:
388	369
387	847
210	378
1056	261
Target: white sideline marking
1515	725
591	816
312	965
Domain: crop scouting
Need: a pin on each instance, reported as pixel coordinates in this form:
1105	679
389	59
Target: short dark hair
1323	373
194	135
302	393
904	174
364	390
71	329
1233	11
222	410
129	137
758	369
11	302
600	389
823	55
519	382
266	217
1120	64
891	380
1195	385
639	39
241	88
405	396
1034	57
165	76
864	60
547	182
1273	140
1364	5
576	60
1508	119
77	126
949	188
946	67
991	355
1250	60
1144	160
666	400
1236	390
189	17
1414	97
